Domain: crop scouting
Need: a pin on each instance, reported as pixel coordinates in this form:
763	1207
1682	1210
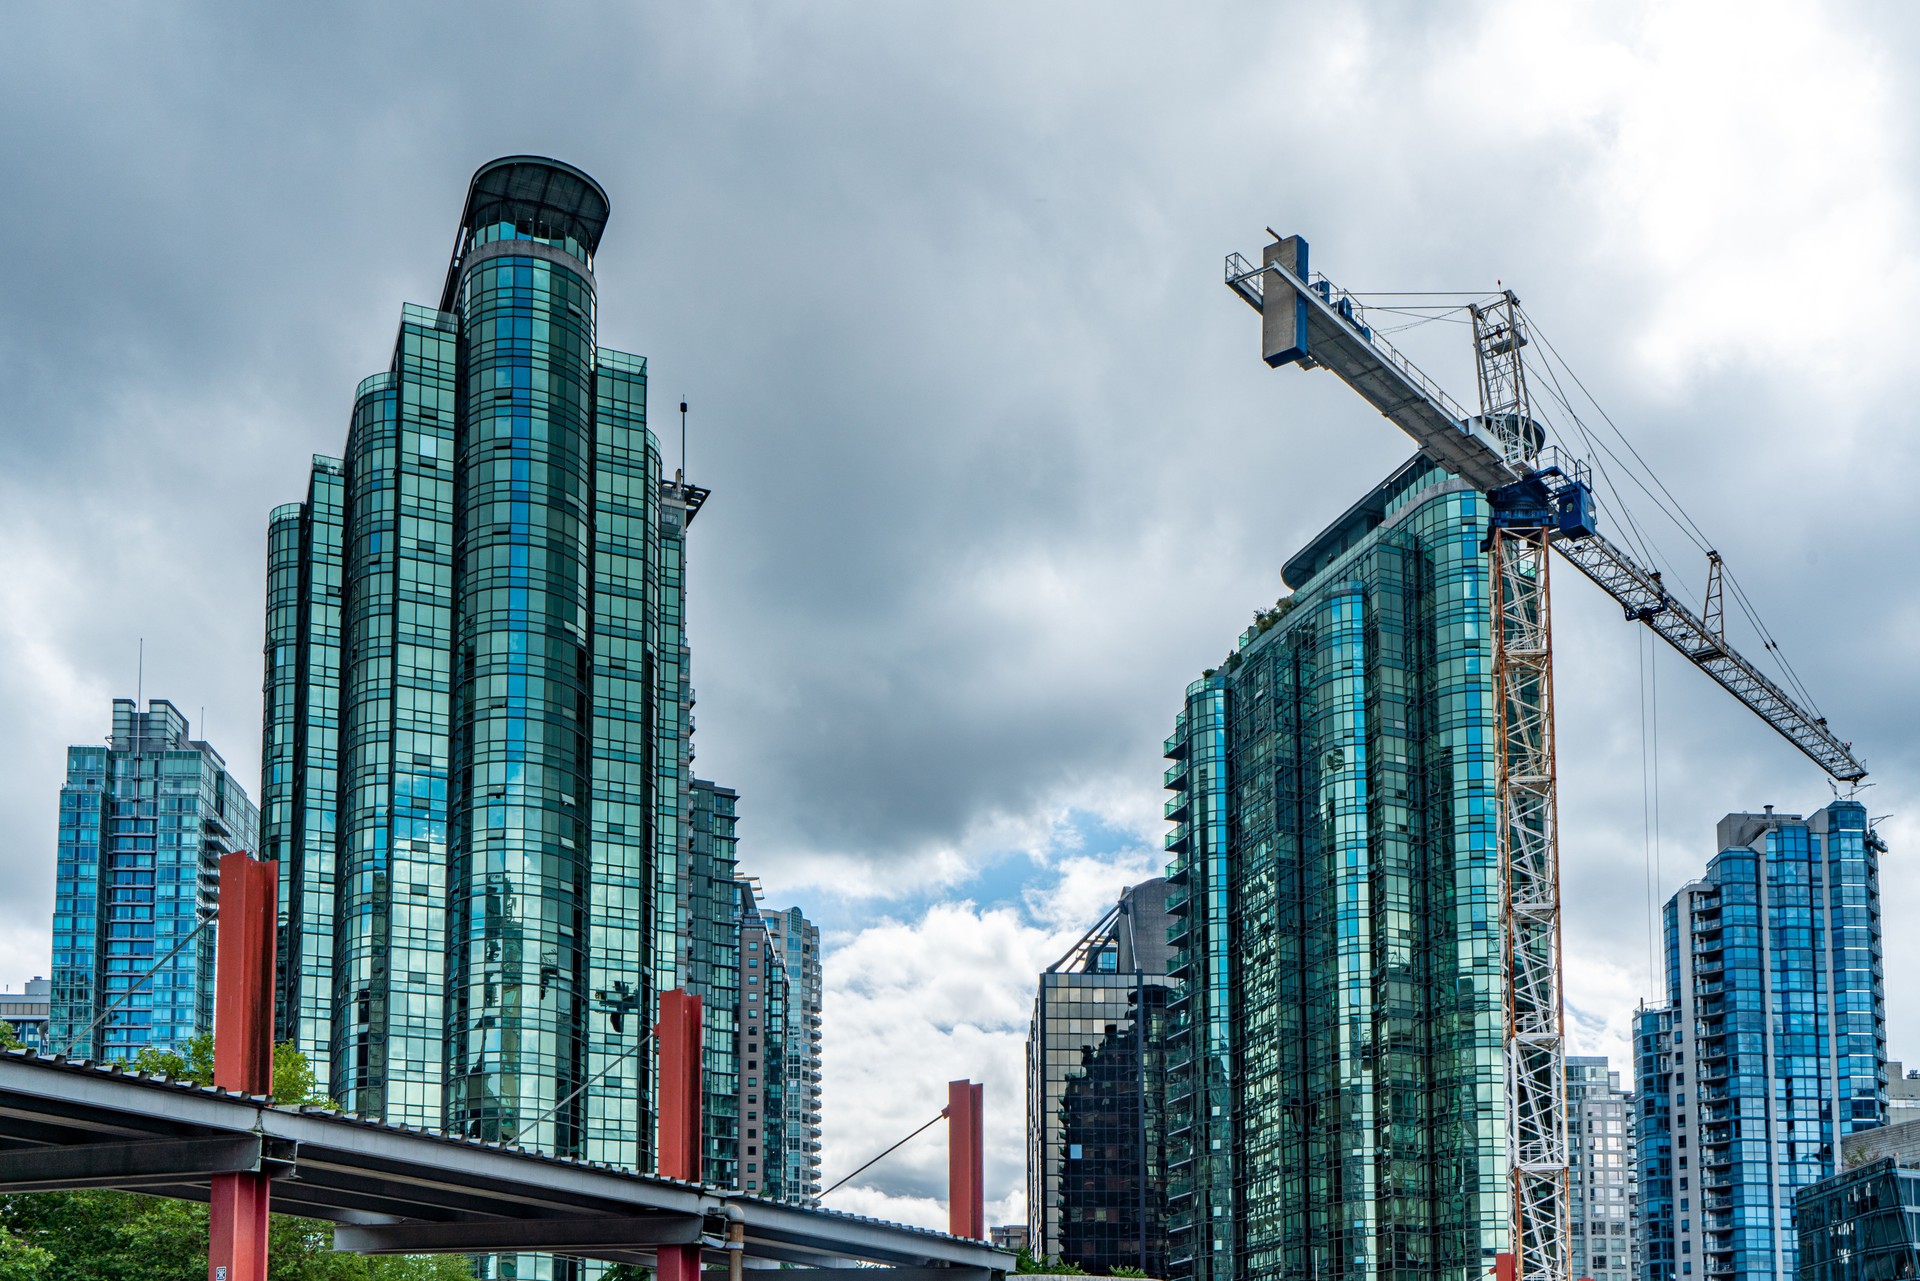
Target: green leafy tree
10	1040
20	1261
1029	1262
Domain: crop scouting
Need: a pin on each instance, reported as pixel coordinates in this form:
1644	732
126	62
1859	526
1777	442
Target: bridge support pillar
966	1178
679	1128
243	1053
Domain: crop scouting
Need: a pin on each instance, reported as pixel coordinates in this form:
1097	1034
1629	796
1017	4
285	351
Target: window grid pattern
619	1126
1778	1032
712	973
523	771
144	822
1340	919
798	941
1601	1152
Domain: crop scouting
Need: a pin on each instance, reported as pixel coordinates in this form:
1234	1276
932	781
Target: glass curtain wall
465	738
1336	1067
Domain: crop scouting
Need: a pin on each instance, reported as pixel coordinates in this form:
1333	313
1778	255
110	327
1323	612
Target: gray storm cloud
996	468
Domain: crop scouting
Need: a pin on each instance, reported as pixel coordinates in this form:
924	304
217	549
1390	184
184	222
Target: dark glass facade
476	707
1653	1143
1336	1081
144	821
1862	1224
709	920
1776	1037
1097	1094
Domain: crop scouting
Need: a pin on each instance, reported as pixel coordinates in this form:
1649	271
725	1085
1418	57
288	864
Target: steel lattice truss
1530	907
1643	599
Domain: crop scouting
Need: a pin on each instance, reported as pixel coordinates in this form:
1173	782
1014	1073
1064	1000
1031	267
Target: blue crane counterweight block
1546	499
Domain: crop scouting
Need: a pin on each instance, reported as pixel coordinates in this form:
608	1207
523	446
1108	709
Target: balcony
1176	776
1174	749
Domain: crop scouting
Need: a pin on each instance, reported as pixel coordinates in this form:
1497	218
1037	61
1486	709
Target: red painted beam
678	1137
243	1053
966	1176
243	977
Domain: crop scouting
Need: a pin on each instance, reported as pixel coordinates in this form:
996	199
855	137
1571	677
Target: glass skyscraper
476	756
1097	1094
1653	1144
144	821
711	971
798	941
1775	1034
1335	1073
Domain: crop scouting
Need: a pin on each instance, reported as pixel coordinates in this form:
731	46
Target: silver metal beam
486	1236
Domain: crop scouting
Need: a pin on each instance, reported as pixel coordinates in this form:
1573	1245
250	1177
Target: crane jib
1315	325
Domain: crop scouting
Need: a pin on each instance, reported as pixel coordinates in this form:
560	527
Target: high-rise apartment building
1097	1093
710	969
764	994
798	941
1653	1228
1336	1081
26	1012
1601	1178
476	751
1775	1038
144	821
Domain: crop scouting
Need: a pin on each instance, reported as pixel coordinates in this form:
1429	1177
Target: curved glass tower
474	709
1334	1065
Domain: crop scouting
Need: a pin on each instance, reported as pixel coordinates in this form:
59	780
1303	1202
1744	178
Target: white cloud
912	1005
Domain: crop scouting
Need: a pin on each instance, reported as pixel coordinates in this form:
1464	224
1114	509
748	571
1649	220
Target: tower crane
1538	497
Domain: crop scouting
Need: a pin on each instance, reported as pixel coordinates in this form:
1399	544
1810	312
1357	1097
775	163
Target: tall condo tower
1335	1078
1600	1201
798	941
144	820
1773	1044
476	757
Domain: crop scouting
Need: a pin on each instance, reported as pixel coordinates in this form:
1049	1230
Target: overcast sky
996	466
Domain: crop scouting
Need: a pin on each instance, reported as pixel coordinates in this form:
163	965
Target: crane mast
1537	498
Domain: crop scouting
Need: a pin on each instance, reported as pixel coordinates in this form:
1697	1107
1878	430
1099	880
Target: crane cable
1649	656
889	1152
1665	500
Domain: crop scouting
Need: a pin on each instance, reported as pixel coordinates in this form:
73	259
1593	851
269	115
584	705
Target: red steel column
243	1053
679	1129
966	1177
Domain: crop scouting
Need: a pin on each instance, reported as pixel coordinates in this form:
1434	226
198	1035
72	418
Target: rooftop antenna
681	474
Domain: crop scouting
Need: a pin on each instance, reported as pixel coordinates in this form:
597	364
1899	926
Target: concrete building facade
798	941
1601	1147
